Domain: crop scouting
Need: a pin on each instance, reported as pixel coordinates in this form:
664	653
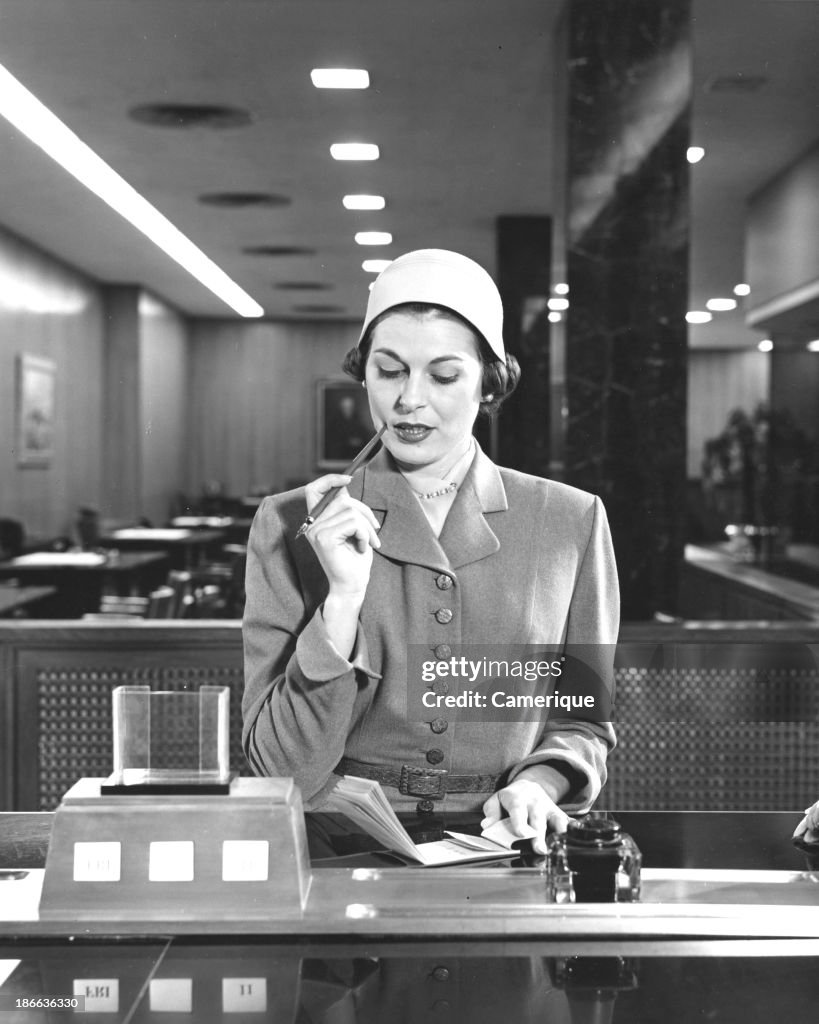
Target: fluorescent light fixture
698	316
354	151
694	154
373	238
555	318
340	78
558	304
742	289
813	346
375	266
47	131
721	305
364	202
561	289
766	345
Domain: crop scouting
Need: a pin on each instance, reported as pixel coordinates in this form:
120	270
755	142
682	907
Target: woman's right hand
343	536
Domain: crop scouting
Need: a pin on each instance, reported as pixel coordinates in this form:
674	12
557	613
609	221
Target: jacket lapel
405	533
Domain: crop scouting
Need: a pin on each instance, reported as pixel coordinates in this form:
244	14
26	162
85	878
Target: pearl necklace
453	485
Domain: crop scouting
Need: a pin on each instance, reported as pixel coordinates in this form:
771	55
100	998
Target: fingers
492	810
345	524
316	491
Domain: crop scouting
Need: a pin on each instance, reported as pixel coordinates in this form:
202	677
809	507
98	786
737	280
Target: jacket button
425	807
439	725
440	973
443	651
440	686
443	582
444	615
435	756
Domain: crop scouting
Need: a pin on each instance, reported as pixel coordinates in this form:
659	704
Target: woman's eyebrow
397	358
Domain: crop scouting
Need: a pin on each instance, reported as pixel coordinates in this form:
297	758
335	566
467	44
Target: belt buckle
423	782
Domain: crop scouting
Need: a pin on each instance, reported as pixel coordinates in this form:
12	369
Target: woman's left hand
525	802
809	825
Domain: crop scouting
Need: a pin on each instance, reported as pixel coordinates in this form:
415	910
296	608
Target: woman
429	544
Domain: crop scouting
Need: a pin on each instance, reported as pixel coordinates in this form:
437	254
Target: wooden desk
185	547
80	578
13	599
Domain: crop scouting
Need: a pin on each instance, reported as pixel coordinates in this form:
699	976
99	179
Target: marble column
524	247
623	237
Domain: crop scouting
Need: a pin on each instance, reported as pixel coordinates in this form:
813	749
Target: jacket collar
405	533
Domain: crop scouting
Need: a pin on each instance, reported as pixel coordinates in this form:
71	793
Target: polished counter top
706	874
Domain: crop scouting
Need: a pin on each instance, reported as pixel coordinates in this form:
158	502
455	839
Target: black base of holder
166	788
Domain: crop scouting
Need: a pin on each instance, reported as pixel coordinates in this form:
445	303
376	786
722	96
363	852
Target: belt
430	783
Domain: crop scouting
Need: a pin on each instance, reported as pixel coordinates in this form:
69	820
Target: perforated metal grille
74	718
715	739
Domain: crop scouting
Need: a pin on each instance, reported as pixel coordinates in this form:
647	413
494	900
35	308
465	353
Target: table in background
81	578
236	528
15	599
185	548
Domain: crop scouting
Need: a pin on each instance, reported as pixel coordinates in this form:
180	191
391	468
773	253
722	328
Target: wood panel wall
252	400
718	383
48	309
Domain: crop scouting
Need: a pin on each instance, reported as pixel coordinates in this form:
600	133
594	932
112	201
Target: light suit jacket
520	559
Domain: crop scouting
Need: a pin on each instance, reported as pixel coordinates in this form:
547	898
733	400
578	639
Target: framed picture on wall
35	389
343	424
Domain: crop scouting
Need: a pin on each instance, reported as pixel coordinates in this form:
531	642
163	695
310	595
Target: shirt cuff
319	659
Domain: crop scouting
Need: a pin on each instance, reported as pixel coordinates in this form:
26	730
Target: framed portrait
35	389
343	423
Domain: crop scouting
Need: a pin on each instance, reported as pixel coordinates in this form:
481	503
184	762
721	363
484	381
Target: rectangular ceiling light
46	130
375	266
340	78
373	237
364	202
354	151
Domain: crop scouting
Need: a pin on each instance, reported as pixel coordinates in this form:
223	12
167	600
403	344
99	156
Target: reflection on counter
221	980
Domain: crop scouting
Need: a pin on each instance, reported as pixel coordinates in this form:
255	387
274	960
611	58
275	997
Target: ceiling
460	105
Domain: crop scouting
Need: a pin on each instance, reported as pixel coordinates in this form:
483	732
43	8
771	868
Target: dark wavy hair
499	379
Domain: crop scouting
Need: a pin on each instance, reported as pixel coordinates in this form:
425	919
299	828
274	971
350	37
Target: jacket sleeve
299	691
578	749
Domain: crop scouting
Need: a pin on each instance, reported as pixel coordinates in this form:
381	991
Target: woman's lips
411	433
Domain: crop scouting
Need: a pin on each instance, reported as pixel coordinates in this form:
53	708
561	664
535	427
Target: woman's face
424	378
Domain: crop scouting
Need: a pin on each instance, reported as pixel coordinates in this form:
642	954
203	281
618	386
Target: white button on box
171	995
170	861
97	862
244	995
101	994
245	860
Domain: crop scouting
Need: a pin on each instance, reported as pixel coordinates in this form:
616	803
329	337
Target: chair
161	603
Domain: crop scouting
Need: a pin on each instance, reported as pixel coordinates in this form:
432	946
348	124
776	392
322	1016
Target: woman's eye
388	374
446	380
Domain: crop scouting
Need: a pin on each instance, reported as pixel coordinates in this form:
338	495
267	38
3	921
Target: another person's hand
343	536
808	827
525	802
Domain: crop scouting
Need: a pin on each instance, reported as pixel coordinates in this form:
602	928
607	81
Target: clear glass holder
164	739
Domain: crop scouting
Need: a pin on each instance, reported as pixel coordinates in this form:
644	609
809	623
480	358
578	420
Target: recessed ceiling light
354	151
278	250
813	346
694	154
340	78
373	238
721	305
364	202
739	82
190	115
239	200
698	316
303	286
558	304
375	266
46	130
742	289
766	345
561	289
555	318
